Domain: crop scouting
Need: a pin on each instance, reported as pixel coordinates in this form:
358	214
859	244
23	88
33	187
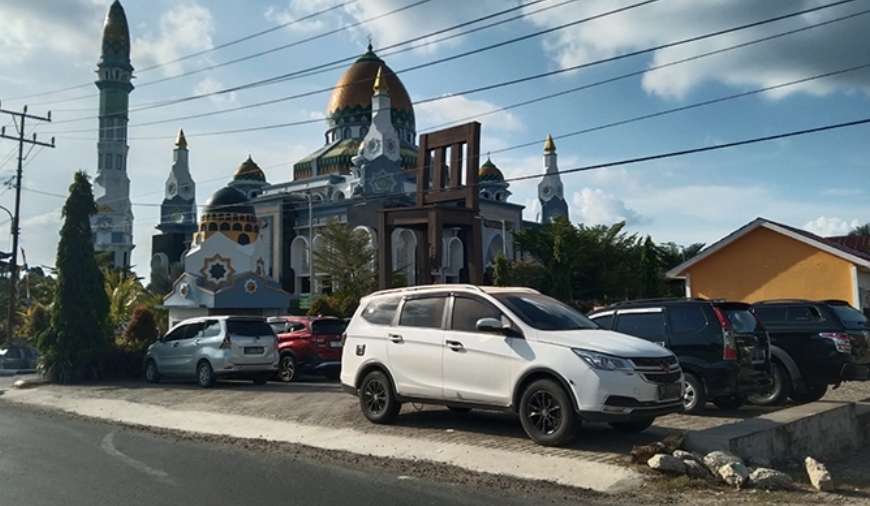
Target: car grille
662	377
658	363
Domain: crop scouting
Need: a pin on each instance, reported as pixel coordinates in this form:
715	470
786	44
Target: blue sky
818	182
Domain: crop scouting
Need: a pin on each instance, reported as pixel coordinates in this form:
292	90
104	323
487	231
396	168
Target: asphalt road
51	459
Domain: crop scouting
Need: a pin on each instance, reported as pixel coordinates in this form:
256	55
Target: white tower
551	193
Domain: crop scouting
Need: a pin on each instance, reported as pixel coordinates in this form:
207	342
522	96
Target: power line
267	81
537	76
385	50
194	54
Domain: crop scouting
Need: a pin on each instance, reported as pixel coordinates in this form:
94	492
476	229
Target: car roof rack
658	299
421	288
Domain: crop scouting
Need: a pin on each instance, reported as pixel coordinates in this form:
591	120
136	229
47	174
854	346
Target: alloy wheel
545	412
287	369
688	396
375	397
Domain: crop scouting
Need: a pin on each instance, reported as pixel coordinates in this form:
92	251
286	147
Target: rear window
249	328
649	326
851	317
381	311
687	318
742	320
770	314
803	314
334	327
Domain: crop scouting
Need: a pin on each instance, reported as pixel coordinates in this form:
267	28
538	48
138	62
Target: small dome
228	200
249	170
355	87
116	38
489	172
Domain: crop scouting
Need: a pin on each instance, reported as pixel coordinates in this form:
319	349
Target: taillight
226	344
841	341
729	341
343	338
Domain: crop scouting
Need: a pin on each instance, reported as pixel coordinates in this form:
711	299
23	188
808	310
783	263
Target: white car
504	348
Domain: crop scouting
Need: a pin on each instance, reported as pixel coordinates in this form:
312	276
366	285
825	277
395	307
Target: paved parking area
317	403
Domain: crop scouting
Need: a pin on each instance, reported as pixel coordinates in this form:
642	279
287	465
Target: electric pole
19	119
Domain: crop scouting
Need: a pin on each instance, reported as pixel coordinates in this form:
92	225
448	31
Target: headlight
601	361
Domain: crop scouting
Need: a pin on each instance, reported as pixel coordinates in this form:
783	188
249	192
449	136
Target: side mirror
497	326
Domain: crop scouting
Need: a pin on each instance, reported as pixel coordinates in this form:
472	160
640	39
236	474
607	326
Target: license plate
335	344
254	350
670	391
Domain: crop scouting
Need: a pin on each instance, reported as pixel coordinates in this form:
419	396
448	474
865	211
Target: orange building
768	260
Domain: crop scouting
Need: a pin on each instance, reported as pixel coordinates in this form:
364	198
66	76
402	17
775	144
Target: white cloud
211	85
594	206
299	9
826	227
842	192
453	109
33	27
813	51
184	29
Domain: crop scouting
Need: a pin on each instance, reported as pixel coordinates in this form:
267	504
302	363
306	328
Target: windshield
333	327
544	313
851	317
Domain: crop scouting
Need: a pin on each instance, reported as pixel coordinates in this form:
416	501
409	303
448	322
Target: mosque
250	250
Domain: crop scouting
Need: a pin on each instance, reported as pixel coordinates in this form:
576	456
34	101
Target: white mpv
504	348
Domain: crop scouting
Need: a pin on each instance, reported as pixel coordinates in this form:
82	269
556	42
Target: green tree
502	272
863	230
651	275
347	257
124	292
71	348
36	320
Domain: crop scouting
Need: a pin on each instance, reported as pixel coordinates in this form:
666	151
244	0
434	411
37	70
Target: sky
817	182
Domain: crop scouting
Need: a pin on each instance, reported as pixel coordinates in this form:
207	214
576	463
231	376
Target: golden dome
549	145
250	170
354	87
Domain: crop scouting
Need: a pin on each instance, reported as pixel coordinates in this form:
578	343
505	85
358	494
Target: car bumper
245	370
855	372
636	411
621	394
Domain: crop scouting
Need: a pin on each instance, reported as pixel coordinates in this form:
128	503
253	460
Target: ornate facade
113	223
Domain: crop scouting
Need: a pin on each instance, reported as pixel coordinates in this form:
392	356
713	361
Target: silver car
213	347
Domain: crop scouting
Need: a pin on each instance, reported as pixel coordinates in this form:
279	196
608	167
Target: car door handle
396	338
454	345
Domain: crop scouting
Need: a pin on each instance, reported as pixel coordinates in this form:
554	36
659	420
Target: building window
249	228
212	227
237	227
225	227
346	134
119	162
108	162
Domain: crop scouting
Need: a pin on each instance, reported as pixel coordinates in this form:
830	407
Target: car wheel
633	426
204	375
459	409
694	397
152	375
287	368
729	402
778	392
811	393
377	400
260	380
547	414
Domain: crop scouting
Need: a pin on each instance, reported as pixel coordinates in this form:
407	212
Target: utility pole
19	119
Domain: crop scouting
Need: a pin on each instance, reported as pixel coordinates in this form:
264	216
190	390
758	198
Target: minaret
178	210
550	190
113	223
382	138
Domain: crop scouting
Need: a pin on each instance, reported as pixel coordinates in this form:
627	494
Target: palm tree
862	230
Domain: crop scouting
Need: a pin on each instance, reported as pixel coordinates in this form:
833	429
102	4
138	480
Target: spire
116	38
549	145
381	83
181	142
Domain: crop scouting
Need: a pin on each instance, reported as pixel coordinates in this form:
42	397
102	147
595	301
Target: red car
310	344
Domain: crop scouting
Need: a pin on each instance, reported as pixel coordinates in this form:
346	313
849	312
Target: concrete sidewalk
555	465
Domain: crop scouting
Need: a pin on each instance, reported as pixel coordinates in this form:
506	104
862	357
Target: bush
141	331
333	305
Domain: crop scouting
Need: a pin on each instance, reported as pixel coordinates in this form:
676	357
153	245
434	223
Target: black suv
813	344
722	348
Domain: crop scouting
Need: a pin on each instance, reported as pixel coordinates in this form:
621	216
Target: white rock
696	470
684	455
717	459
734	474
667	464
770	479
819	475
